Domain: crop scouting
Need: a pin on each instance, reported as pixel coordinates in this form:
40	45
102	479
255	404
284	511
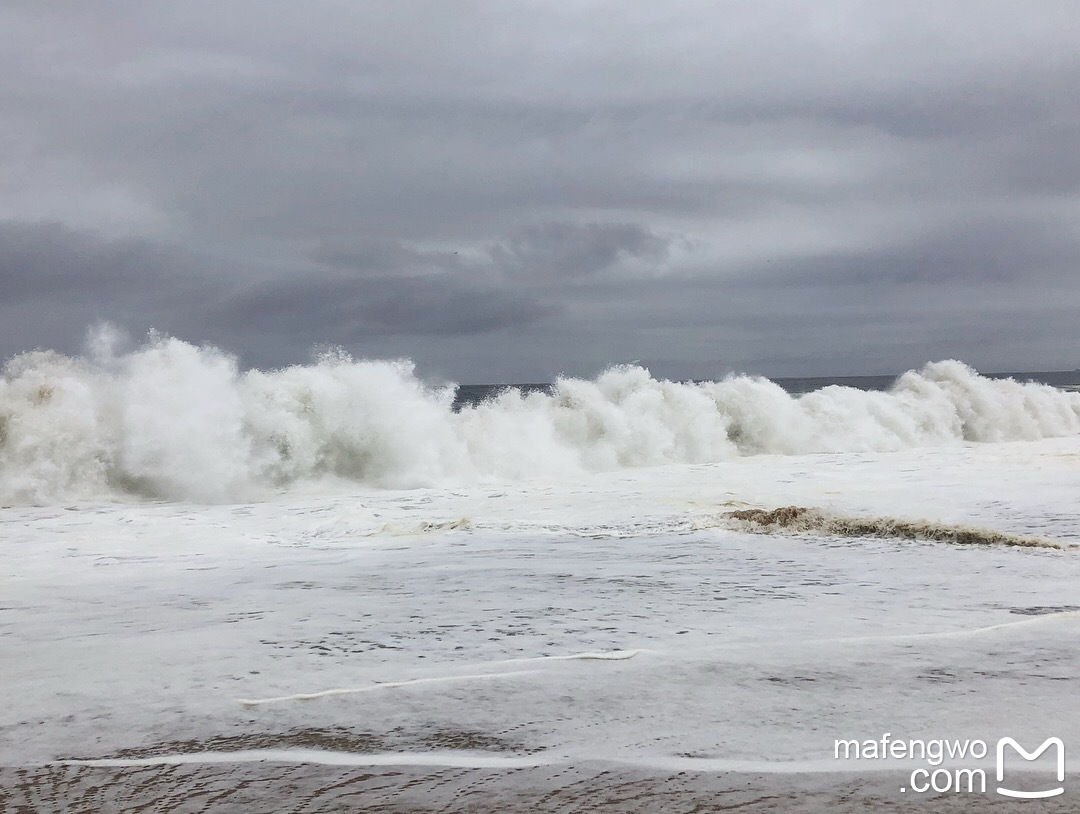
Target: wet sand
239	774
268	788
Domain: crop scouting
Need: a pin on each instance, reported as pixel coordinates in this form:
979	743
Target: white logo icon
1024	753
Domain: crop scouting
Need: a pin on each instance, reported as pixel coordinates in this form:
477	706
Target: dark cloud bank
506	191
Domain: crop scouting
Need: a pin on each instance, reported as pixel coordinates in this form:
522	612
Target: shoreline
263	788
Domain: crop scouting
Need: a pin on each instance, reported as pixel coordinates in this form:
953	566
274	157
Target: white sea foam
612	655
613	616
385	685
175	421
444	759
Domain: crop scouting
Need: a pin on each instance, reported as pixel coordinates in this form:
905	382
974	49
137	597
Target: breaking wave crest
174	421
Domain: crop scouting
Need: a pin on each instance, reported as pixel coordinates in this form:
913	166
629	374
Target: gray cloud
49	261
504	191
572	250
346	309
1000	252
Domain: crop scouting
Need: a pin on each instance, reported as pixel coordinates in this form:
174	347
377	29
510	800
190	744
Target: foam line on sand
609	655
461	760
385	685
976	631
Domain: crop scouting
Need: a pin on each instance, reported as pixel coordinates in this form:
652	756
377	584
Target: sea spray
170	420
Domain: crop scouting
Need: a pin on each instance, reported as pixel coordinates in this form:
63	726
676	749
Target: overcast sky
504	191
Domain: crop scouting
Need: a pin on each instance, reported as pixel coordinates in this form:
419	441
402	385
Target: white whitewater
600	616
536	580
170	420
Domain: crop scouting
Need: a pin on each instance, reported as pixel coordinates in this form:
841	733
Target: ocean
471	395
336	587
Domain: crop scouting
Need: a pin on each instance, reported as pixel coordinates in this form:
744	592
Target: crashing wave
170	420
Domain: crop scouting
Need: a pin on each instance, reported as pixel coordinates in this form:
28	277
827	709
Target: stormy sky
508	190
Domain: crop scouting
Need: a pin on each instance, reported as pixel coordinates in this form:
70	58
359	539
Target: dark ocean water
472	394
